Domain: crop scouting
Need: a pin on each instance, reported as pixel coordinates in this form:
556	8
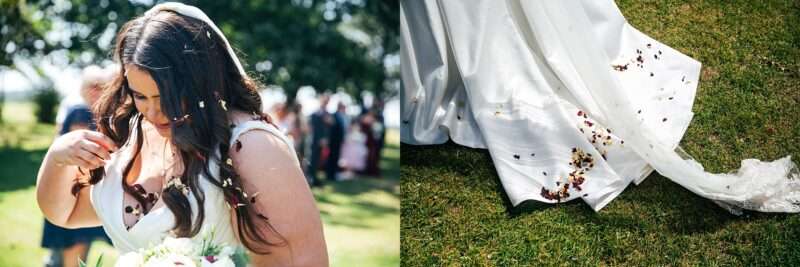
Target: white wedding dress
569	99
107	195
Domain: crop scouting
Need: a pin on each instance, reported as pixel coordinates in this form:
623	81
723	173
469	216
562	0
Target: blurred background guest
319	124
372	127
336	134
67	246
354	151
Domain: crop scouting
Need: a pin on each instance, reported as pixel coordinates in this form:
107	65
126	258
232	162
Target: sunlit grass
455	212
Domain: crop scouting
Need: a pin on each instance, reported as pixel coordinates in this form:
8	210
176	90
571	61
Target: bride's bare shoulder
255	146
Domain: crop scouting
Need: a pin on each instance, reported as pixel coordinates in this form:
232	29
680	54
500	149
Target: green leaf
99	261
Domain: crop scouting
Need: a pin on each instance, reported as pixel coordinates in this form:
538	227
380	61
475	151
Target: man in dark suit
336	138
320	124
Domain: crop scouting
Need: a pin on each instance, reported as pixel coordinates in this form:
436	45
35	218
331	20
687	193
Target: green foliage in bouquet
97	264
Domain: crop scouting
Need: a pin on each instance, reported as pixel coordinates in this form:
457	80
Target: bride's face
146	98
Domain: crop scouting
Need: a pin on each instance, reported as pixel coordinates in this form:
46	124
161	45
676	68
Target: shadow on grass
656	202
18	167
363	185
390	161
355	211
353	195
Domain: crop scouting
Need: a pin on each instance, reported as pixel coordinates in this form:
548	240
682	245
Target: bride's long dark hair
190	64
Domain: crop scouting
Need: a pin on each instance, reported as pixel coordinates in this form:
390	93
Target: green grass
455	212
361	217
22	148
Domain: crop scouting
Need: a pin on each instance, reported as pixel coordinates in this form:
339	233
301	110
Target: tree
330	45
21	34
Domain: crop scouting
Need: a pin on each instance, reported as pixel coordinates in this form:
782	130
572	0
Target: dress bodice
107	200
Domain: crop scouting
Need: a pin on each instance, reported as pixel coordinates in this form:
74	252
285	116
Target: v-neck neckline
121	200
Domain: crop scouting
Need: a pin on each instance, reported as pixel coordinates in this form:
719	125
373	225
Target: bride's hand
83	148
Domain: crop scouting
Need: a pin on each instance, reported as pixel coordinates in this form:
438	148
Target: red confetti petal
238	145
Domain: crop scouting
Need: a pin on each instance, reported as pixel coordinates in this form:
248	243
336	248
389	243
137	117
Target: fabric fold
569	99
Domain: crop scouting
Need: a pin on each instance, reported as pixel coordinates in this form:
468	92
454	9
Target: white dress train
569	99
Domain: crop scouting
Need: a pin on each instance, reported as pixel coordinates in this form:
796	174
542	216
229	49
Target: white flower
130	259
184	252
219	261
182	246
226	251
170	260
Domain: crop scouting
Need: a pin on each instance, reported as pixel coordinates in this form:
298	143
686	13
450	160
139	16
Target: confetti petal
238	145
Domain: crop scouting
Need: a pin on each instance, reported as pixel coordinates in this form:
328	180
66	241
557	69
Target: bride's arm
267	165
57	174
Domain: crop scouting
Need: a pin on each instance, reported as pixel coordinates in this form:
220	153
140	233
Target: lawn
455	212
361	217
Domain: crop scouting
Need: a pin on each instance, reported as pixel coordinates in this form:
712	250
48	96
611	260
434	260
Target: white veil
194	12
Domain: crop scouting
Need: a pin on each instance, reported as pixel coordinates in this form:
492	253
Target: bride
569	99
183	149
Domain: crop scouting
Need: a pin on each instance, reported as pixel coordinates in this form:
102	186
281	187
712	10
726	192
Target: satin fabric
152	228
537	82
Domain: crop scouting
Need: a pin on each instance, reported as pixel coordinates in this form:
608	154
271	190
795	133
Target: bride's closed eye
138	96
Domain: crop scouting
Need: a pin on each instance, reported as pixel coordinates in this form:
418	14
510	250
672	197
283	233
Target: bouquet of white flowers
183	252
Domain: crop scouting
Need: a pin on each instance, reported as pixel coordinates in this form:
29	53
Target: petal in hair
223	104
238	145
